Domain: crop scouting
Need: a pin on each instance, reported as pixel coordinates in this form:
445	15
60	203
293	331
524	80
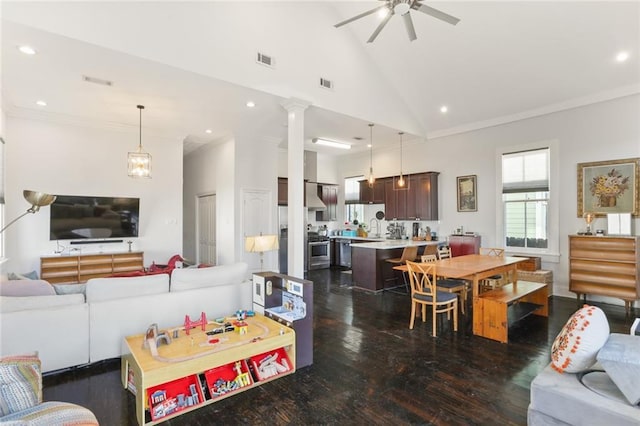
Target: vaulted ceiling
193	65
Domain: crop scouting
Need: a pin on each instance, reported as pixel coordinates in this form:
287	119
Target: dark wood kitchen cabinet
372	195
283	192
328	193
418	202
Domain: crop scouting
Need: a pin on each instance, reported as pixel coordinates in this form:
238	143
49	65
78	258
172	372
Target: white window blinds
526	171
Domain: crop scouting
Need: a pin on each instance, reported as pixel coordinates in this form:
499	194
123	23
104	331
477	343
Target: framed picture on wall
467	193
609	187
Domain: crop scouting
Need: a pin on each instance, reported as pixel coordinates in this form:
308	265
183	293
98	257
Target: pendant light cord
140	107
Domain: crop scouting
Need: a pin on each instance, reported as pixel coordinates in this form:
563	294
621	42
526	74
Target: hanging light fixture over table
371	179
139	162
401	183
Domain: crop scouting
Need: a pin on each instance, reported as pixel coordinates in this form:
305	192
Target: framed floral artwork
467	198
609	187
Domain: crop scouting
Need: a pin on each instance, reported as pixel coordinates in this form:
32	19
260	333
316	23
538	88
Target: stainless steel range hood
313	201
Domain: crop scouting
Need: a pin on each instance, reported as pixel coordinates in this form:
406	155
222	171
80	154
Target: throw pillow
33	275
70	288
620	358
576	347
20	383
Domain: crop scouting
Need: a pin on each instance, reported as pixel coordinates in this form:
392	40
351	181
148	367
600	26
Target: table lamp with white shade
260	244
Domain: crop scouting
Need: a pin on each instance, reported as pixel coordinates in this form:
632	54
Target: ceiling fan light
382	13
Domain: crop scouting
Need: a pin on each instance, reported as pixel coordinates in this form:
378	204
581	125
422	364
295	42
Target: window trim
552	252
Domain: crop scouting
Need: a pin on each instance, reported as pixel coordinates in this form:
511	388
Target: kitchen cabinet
395	202
328	193
369	195
418	202
605	266
283	192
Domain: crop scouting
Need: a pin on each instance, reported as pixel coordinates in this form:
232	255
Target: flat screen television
78	217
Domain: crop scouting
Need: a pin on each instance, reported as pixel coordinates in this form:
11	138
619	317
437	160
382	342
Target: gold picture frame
467	193
609	187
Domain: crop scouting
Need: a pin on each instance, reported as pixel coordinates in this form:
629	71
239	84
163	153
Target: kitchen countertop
346	237
394	244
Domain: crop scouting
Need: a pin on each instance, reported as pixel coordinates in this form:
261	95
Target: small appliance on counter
288	300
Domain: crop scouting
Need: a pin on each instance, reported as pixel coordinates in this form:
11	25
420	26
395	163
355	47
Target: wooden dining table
474	268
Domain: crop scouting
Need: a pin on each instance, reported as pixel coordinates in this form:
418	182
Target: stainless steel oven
318	252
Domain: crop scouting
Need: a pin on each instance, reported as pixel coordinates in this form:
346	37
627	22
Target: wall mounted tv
77	217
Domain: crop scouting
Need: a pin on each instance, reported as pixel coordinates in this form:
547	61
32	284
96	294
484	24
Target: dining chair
409	253
450	285
424	292
444	252
494	281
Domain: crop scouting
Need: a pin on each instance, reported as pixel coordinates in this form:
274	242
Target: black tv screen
77	217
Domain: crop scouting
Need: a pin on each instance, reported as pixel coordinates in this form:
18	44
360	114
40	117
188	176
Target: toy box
228	378
270	364
171	397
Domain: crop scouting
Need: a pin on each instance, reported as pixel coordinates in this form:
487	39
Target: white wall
603	131
74	160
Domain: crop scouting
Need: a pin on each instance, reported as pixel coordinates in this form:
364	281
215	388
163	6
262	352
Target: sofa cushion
70	288
52	413
13	304
576	346
189	279
101	289
33	275
620	357
20	383
19	288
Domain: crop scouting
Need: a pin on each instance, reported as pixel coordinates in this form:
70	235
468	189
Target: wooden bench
496	310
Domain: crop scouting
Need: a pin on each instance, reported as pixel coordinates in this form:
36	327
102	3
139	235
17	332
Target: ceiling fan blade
380	27
435	13
408	24
362	15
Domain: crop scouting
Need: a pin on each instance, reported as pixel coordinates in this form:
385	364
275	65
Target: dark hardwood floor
369	368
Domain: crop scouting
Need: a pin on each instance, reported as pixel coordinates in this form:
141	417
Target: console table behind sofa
73	269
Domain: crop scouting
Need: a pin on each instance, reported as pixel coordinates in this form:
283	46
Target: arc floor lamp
37	200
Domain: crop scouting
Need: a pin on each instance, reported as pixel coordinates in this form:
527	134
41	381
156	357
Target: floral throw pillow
20	383
577	345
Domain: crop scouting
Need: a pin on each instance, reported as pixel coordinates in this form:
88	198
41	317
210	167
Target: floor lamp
37	200
260	244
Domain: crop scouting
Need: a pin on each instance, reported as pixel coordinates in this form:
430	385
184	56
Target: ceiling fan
401	7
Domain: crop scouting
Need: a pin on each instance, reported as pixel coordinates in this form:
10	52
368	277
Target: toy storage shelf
206	361
74	269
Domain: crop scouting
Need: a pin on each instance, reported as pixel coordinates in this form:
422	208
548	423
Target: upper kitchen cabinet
372	195
422	197
328	193
283	191
395	201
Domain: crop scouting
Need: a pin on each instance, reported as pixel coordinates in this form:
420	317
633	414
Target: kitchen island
368	261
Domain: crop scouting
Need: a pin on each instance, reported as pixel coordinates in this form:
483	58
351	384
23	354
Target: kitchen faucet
377	226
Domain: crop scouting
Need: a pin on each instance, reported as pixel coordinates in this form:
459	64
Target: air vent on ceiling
265	60
97	80
327	84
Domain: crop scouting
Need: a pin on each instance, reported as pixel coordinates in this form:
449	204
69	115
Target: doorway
206	232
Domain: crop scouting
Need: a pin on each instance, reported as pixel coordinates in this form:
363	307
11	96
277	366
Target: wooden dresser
605	266
73	269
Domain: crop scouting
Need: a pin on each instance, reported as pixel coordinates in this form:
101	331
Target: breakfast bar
368	264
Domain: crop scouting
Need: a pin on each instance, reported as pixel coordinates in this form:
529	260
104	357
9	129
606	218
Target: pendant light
139	162
371	179
401	183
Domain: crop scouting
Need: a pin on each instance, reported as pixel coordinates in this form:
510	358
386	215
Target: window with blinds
525	197
352	210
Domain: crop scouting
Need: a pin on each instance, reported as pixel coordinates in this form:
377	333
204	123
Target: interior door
206	229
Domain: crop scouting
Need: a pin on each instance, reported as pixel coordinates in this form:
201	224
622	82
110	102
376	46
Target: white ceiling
191	65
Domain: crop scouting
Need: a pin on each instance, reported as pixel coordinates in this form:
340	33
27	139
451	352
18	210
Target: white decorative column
296	210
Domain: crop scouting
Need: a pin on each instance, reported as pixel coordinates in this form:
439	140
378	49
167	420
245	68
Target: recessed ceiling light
444	109
622	56
27	50
368	145
41	103
251	104
208	131
382	13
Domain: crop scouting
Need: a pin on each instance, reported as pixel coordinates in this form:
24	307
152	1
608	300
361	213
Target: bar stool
408	253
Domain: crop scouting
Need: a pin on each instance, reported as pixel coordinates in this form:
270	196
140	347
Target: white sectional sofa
71	330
